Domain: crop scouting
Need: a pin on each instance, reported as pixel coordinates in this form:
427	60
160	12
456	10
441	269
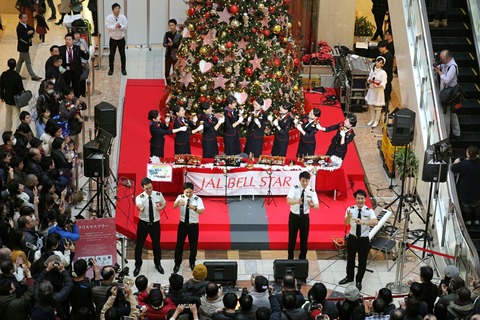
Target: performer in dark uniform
301	199
231	136
182	138
149	203
210	128
190	207
360	218
345	134
256	123
158	130
281	128
308	128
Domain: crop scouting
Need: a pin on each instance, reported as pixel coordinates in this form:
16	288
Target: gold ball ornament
204	88
218	99
191	27
277	29
223	34
257	83
228	70
261	6
222	48
203	50
231	85
295	88
289	25
279	74
235	24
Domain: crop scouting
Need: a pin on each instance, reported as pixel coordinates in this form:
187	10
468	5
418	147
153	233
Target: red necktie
70	57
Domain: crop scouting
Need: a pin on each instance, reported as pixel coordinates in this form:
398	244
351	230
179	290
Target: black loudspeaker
297	268
96	165
403	127
106	118
433	171
222	272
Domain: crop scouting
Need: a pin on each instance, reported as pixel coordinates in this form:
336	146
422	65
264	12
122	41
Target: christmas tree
240	47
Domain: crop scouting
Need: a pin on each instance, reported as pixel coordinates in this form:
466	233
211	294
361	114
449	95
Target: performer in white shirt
190	207
301	199
116	24
360	218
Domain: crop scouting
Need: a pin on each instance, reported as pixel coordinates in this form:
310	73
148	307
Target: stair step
455	14
471	90
467	138
453	29
470	107
469	122
464	58
453	43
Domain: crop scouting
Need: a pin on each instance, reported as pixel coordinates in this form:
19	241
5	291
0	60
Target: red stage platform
215	224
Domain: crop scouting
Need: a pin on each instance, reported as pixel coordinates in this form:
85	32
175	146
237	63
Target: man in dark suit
24	37
71	55
10	85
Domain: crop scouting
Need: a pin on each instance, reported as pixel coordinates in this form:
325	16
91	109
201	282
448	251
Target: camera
157	285
90	262
436	59
121	273
56	264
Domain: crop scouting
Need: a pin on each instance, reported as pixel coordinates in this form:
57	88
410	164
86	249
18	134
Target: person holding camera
318	304
360	218
149	204
211	301
81	294
447	70
70	109
99	293
13	306
121	302
61	281
155	302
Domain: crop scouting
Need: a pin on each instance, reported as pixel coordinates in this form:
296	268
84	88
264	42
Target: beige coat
64	6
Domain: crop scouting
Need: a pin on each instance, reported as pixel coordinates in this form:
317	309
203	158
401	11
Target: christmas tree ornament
228	70
235	24
233	9
190	27
191	11
277	29
205	66
229	45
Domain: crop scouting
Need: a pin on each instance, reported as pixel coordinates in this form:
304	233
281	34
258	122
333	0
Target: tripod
392	175
103	200
269	198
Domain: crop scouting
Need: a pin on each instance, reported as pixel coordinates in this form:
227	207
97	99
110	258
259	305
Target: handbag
22	99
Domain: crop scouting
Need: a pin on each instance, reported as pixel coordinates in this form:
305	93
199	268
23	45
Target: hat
451	271
35	142
54	258
261	284
199	272
156	298
381	58
352	293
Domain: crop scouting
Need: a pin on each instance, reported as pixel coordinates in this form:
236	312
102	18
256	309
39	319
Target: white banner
250	182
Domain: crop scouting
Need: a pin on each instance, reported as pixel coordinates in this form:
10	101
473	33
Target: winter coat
12	307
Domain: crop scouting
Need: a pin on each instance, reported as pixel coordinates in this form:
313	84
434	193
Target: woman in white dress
375	98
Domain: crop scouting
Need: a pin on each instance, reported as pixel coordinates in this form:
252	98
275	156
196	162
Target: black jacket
10	85
24	40
76	65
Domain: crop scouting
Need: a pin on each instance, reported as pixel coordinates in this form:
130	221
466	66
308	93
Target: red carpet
144	95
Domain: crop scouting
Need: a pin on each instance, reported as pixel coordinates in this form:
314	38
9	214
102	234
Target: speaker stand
103	200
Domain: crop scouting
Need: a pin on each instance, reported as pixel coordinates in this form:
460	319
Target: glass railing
448	225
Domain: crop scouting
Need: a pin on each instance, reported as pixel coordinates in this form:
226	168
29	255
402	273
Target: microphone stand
269	197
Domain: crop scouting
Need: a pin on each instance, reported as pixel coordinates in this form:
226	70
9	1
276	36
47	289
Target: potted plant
321	61
363	28
406	164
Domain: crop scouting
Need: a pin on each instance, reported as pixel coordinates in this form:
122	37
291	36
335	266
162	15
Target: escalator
458	39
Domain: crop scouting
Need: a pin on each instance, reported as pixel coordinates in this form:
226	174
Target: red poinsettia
323	56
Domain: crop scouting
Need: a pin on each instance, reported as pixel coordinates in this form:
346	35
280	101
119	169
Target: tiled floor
325	266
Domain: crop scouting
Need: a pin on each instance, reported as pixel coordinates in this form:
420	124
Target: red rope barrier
431	251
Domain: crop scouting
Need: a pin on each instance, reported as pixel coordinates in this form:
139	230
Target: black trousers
169	63
362	247
72	79
296	224
144	229
191	230
114	44
379	18
51	5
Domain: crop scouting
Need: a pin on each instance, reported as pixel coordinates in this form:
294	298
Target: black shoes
176	268
345	280
358	285
124	72
160	269
59	22
192	266
136	272
110	72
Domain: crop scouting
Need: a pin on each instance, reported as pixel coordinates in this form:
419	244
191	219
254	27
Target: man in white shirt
190	207
149	204
116	24
360	218
301	199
